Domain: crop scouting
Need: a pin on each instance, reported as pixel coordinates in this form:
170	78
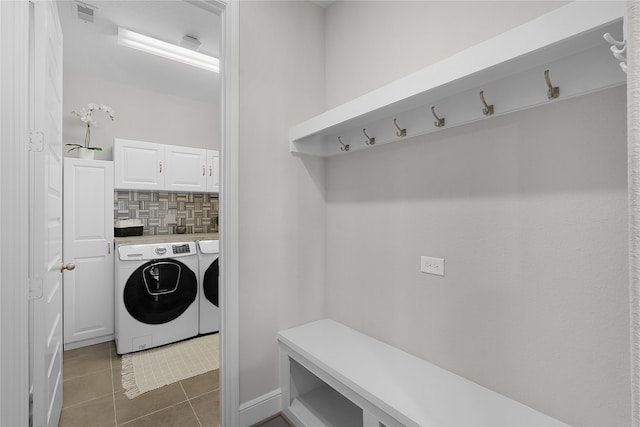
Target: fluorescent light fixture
167	50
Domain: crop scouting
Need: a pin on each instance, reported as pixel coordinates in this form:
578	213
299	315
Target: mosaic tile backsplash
161	212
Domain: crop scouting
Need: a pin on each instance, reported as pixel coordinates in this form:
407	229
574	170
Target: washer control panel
156	251
181	249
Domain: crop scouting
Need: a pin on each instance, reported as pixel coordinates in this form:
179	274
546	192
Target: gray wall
140	114
529	211
282	206
371	43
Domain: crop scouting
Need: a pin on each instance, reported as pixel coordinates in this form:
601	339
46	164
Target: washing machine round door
160	291
210	284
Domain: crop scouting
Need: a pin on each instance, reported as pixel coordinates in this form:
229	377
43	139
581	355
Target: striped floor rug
151	369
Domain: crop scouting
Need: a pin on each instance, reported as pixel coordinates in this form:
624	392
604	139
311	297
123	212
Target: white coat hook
554	91
488	109
369	141
608	37
345	147
619	57
618	48
401	132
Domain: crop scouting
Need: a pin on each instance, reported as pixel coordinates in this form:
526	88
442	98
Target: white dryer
209	251
156	295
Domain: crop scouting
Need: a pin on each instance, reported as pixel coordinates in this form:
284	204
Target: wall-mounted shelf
509	69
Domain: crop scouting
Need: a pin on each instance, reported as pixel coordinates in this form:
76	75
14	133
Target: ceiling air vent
84	11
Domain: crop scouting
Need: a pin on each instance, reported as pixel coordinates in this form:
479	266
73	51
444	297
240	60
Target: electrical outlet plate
432	265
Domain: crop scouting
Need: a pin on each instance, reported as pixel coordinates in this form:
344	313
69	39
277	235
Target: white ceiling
92	48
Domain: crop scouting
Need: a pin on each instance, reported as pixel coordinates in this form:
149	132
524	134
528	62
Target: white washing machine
209	251
156	295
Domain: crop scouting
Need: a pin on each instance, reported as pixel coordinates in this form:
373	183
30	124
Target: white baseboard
260	408
90	341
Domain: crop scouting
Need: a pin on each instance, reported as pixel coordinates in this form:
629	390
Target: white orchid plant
85	114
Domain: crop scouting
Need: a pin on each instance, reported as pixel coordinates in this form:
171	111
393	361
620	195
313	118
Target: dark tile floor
93	396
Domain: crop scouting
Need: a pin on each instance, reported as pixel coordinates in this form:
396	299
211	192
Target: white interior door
45	196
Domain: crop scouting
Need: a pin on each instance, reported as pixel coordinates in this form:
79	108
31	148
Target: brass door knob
69	266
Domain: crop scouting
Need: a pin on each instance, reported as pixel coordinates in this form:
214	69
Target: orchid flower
85	115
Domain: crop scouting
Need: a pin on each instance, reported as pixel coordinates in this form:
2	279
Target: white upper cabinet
138	165
186	169
148	166
213	171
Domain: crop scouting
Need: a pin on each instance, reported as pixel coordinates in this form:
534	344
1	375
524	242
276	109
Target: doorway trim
14	237
632	38
229	229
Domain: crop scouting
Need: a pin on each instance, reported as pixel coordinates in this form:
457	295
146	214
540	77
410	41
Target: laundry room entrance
142	132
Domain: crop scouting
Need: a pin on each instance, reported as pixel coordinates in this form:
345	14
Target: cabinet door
87	242
138	165
186	168
213	171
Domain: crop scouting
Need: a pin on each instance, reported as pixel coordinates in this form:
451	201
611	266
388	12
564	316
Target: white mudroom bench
332	375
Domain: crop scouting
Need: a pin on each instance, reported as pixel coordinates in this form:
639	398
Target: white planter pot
83	153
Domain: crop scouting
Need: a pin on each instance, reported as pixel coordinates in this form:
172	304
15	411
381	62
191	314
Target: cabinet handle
203	171
209	170
108	248
160	167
